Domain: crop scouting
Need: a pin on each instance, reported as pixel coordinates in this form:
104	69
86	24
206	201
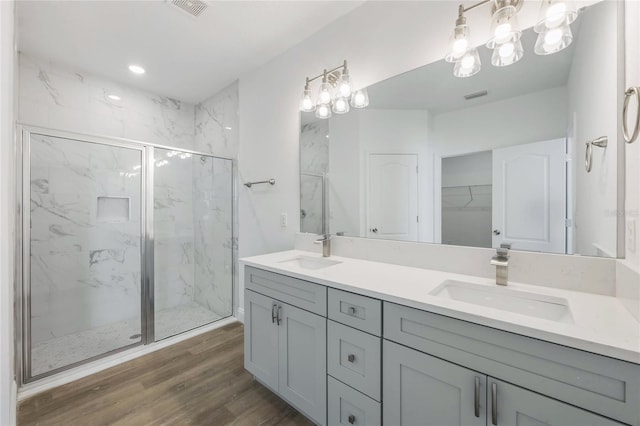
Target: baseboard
60	379
240	315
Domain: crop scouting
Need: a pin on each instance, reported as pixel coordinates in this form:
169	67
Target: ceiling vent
192	7
476	95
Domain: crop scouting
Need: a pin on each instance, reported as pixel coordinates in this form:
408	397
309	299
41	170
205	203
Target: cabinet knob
496	232
352	418
352	310
351	358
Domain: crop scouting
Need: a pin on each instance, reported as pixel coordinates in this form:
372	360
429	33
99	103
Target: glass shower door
82	259
192	227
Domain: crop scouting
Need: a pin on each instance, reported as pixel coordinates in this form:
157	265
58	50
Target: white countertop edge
626	348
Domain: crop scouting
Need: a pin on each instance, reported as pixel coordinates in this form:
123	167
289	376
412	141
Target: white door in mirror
529	196
392	202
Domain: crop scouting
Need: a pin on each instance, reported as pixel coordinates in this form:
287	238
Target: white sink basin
532	304
308	262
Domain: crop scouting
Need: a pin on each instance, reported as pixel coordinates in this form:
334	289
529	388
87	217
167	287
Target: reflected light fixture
553	28
335	94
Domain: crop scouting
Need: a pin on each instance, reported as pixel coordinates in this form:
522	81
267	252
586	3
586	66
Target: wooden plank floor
200	381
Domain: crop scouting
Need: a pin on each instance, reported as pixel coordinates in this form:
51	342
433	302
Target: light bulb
325	97
458	42
552	37
306	103
469	64
506	49
360	98
504	26
324	94
344	86
460	46
340	105
323	111
507	53
553	40
555	15
502	31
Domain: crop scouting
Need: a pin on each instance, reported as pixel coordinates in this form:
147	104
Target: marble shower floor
59	352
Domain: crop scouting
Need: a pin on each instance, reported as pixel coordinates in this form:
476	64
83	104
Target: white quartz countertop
601	324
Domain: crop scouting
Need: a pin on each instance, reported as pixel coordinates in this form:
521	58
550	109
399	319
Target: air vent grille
192	7
476	95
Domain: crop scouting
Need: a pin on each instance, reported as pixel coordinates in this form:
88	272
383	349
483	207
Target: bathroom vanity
354	342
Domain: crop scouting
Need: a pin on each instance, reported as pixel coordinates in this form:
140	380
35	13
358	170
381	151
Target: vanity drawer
354	358
347	406
597	383
303	294
361	312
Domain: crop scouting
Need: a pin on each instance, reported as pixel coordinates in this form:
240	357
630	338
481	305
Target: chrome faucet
326	244
501	262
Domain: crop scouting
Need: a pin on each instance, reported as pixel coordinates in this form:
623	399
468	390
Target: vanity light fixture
553	28
335	94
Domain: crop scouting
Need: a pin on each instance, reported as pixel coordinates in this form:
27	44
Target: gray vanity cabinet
513	406
302	356
284	345
261	338
421	390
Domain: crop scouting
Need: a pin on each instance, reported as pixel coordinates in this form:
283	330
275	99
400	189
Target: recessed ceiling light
114	97
228	128
136	69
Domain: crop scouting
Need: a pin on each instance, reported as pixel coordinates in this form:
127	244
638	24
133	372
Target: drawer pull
352	419
352	310
476	398
351	358
494	404
279	317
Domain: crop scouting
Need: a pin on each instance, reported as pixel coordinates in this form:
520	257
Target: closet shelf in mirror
466	197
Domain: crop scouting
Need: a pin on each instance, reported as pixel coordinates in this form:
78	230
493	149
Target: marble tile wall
55	96
314	162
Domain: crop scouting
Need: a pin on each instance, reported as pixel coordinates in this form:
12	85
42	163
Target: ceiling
185	57
435	88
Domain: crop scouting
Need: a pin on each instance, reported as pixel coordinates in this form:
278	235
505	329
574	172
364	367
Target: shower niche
123	244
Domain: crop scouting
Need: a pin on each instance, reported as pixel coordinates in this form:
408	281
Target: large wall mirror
495	158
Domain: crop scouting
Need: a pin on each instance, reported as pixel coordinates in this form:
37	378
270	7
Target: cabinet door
420	390
513	406
261	338
303	361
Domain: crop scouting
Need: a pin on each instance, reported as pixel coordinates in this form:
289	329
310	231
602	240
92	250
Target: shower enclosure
123	244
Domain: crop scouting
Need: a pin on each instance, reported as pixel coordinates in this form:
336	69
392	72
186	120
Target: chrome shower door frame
23	253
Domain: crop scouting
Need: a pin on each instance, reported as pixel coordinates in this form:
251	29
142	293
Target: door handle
629	137
496	232
351	358
494	404
352	419
273	313
476	398
279	317
374	230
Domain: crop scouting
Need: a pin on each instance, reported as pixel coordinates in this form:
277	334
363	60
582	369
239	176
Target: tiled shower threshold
66	350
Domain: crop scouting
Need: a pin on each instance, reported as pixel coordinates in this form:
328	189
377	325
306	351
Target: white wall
8	64
595	111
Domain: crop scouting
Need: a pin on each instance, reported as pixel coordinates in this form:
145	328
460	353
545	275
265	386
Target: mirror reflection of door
392	208
529	202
